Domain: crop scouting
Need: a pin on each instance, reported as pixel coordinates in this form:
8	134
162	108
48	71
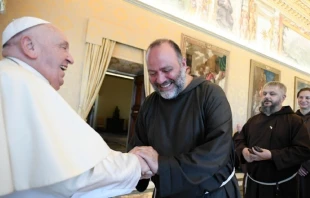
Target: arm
299	149
241	145
117	174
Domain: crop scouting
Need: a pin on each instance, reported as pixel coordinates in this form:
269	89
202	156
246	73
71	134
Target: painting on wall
294	46
260	74
271	28
299	84
205	59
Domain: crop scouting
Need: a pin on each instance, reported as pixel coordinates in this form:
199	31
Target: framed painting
260	74
205	59
299	84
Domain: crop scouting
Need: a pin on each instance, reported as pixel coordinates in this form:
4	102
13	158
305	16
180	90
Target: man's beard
268	110
179	85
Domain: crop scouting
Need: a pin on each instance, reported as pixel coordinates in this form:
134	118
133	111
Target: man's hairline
158	45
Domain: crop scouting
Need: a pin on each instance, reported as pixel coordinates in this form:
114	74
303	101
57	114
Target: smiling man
46	149
284	144
186	128
303	98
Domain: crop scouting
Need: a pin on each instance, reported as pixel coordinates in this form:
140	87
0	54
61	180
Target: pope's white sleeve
117	174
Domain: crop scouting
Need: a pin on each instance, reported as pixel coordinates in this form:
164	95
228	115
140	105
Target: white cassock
47	150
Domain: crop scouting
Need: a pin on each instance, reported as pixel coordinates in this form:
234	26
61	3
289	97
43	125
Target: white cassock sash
42	139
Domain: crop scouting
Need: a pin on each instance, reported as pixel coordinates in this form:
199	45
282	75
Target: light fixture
2	6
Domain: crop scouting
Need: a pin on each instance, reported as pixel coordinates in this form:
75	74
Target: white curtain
96	62
147	85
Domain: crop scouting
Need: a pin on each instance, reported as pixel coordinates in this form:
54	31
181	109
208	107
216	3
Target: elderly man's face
166	74
54	56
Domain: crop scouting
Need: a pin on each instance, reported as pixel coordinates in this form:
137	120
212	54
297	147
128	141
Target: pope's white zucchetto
19	25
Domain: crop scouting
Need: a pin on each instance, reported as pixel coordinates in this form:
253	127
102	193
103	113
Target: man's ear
28	47
184	62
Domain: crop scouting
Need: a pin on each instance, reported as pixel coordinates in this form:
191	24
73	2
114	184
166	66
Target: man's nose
70	59
160	78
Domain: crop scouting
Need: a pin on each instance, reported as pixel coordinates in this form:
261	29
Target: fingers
149	155
143	164
302	171
264	154
147	175
246	154
134	150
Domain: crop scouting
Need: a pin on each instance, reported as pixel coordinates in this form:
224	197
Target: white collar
28	67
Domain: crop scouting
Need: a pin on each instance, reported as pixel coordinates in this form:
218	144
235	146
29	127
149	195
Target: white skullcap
19	25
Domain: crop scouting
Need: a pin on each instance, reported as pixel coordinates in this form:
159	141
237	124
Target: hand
257	156
247	155
264	154
150	156
146	173
302	171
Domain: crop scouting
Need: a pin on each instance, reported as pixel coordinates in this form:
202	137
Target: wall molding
205	31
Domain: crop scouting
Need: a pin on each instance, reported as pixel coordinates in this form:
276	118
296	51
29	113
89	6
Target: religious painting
260	74
224	14
295	45
205	59
271	28
299	84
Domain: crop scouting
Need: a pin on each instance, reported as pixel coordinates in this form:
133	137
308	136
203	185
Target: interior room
256	37
112	109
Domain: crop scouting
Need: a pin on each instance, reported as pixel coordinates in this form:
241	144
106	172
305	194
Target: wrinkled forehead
53	33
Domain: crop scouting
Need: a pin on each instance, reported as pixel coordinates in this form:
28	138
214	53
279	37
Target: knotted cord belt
265	183
227	180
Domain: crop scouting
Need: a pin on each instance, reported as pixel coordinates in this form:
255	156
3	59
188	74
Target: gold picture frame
260	74
299	84
205	59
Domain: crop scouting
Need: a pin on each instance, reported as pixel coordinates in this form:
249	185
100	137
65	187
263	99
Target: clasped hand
302	171
257	156
148	158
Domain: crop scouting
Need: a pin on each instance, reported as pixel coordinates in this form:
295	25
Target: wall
114	92
138	27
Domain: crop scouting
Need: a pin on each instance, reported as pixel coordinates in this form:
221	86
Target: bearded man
273	144
186	128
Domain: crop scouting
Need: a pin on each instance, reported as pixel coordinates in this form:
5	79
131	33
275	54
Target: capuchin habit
192	134
47	149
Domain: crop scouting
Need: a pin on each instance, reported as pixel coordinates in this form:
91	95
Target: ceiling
298	11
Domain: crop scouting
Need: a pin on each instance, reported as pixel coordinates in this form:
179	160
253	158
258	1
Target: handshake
148	158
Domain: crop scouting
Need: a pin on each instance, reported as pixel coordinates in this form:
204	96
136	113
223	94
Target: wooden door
138	97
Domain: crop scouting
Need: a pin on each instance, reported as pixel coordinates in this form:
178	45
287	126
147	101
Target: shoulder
296	118
210	88
11	70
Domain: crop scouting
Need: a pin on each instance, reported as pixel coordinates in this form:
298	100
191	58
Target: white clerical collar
27	67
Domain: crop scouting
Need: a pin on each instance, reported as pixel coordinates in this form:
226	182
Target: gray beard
179	85
270	109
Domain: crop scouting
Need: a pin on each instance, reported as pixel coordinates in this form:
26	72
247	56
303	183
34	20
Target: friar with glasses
273	144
